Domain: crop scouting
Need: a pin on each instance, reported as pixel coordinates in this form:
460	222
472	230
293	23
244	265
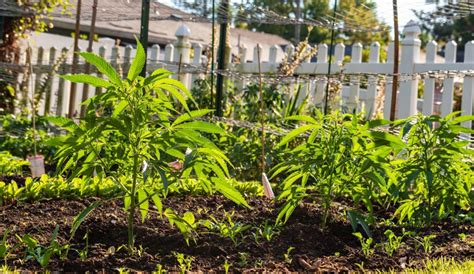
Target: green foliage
393	242
40	18
186	224
42	254
11	165
184	261
434	168
57	187
335	158
137	132
425	171
366	244
17	137
4	246
267	231
227	228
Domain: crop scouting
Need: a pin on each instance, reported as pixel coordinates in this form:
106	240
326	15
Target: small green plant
393	242
366	244
4	246
287	255
226	266
426	242
186	224
227	228
266	231
85	251
159	269
242	259
42	254
184	261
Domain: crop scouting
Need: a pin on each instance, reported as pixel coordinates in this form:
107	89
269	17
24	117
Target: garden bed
300	245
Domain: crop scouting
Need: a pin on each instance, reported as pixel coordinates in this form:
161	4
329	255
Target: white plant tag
36	165
267	188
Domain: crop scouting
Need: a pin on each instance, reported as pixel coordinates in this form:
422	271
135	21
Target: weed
226	266
287	255
227	228
366	244
184	261
393	242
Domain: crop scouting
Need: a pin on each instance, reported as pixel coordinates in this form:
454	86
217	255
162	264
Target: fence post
407	99
448	83
468	89
429	90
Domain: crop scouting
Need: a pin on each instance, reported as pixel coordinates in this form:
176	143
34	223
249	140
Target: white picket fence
188	58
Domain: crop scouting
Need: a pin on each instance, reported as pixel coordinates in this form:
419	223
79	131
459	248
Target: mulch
307	247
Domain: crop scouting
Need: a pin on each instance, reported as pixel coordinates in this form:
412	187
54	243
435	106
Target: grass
442	265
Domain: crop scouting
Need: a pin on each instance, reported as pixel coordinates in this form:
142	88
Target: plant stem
131	214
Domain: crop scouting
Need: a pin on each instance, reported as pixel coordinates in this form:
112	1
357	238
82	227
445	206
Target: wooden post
85	89
75	59
396	44
49	91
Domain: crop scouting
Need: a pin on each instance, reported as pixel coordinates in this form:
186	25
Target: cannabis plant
435	168
133	131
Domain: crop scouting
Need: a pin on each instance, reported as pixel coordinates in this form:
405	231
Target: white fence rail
192	65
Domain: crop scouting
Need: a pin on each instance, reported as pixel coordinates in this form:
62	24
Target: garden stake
36	161
87	69
75	59
330	59
267	188
396	43
213	38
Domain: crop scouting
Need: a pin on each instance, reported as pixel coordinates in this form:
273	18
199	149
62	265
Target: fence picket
429	89
448	84
371	93
467	102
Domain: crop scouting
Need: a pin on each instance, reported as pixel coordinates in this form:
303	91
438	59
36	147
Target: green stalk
132	204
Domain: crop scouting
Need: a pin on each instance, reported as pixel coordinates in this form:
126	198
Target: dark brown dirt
333	249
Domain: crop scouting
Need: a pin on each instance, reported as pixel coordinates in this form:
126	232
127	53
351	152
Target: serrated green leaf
87	79
103	67
138	62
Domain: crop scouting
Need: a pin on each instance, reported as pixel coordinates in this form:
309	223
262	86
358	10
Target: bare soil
313	249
